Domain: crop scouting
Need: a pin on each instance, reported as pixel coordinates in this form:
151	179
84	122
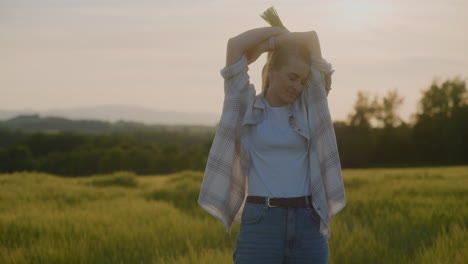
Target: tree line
437	134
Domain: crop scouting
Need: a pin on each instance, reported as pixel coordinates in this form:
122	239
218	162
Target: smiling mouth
291	94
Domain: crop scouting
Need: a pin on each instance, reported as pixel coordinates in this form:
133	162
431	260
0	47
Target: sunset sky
166	55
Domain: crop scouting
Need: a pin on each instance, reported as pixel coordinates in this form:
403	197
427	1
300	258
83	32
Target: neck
273	100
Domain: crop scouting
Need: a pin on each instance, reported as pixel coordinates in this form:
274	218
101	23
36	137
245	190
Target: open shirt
224	187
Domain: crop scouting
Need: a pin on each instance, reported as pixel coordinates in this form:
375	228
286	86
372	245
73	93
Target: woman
273	165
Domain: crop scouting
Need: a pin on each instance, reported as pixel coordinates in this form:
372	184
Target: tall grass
392	216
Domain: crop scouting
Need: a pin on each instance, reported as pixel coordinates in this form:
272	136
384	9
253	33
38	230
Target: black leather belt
285	202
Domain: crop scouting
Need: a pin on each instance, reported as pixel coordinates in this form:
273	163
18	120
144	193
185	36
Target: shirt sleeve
325	68
236	79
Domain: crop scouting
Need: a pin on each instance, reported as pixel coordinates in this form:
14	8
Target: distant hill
52	124
115	113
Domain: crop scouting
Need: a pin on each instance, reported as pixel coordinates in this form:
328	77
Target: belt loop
307	202
265	204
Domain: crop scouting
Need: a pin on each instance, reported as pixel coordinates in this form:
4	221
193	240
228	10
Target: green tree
387	111
364	110
440	130
443	99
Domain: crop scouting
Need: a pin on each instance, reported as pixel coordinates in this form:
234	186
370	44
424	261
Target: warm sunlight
360	14
178	132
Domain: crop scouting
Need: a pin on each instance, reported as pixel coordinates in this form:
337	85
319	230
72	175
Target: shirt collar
297	117
261	103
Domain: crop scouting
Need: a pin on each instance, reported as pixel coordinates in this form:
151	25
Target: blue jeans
277	235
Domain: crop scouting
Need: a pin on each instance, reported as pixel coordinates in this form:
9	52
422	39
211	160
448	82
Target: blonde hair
276	59
279	57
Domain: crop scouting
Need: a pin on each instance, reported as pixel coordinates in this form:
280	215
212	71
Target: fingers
279	31
328	81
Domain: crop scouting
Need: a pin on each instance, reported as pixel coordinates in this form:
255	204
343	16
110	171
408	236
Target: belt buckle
268	202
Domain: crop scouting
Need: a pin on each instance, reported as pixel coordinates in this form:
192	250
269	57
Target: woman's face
288	83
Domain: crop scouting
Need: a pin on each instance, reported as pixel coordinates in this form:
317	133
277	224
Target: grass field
416	215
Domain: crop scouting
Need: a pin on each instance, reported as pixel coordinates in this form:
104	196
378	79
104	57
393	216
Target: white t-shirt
279	156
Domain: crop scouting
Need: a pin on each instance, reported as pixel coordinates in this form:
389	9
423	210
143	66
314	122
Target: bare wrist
271	43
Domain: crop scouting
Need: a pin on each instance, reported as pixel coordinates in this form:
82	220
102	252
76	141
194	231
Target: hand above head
252	42
308	38
265	45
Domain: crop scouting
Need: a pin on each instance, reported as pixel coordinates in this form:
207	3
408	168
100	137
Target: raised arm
252	43
308	39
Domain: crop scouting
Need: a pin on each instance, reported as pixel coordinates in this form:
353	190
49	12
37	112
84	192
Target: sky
166	55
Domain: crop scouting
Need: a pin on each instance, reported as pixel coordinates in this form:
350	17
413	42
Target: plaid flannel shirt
224	187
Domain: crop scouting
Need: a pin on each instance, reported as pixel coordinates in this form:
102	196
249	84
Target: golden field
407	215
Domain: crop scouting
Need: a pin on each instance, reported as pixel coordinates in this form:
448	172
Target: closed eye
294	77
